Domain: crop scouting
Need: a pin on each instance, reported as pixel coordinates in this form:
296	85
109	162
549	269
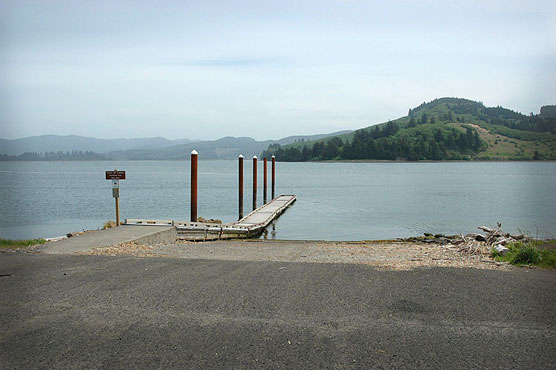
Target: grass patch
13	244
529	254
109	224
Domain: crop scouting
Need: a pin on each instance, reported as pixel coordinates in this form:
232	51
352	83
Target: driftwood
477	244
497	237
473	243
485	229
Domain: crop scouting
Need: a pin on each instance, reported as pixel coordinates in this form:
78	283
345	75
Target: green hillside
443	129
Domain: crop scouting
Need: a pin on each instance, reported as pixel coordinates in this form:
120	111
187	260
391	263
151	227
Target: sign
115	175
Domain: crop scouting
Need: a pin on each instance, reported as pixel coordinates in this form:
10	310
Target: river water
335	201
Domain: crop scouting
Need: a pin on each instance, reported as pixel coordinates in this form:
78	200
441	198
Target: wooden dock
250	226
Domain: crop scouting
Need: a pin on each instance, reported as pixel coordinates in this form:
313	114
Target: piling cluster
194	159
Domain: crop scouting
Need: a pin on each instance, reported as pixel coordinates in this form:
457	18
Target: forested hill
443	129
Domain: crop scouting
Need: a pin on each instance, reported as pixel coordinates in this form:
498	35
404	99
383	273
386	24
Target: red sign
115	175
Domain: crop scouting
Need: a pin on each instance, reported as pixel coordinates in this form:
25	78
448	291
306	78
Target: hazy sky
266	69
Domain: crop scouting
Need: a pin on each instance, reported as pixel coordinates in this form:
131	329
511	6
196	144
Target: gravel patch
381	255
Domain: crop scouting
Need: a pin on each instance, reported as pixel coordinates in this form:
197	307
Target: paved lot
127	312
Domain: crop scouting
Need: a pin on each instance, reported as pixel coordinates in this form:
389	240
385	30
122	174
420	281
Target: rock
501	249
428	234
439	235
477	237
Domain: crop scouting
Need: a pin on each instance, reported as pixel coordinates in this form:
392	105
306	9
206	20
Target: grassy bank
14	244
530	254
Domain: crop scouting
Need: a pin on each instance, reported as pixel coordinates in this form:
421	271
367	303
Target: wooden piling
273	176
194	156
240	172
264	180
254	182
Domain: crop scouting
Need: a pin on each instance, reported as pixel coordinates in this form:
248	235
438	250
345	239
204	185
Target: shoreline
400	254
428	161
320	161
382	255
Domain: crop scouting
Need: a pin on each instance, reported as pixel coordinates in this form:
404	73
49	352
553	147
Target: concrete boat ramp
168	231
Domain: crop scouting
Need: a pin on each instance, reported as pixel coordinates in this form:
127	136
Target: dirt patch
381	255
131	248
408	256
501	147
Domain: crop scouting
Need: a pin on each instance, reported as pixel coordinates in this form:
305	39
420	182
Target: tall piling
273	176
254	182
240	172
194	156
264	180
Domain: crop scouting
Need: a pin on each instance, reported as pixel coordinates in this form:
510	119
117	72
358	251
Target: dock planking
249	226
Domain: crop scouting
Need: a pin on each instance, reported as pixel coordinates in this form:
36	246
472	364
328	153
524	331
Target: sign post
116	176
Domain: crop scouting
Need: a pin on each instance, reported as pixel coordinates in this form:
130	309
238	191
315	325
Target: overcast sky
265	69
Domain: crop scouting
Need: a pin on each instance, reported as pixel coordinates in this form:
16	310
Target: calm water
335	201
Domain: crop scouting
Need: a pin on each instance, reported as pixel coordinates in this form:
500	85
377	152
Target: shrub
109	224
528	254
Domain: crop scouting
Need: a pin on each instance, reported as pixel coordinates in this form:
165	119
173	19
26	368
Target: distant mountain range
55	143
442	129
80	147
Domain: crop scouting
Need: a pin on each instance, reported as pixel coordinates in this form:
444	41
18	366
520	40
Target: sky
264	69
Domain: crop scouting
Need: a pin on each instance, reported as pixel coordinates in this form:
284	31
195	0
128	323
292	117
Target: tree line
74	155
457	108
388	143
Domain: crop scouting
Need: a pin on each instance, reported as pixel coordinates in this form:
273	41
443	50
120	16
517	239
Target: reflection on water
270	231
335	201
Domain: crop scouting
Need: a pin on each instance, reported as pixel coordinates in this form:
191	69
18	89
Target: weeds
109	224
529	253
13	244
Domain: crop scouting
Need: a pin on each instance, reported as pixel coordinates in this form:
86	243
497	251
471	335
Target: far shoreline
429	161
319	161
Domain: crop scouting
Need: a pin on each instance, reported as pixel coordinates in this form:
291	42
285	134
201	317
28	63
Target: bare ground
388	255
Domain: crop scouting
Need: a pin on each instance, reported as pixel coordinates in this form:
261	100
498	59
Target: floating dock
250	226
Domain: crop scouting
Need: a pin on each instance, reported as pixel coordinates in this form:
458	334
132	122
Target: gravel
381	255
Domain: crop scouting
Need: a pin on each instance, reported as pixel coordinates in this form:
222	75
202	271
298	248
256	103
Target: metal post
264	181
254	182
116	176
273	176
117	211
194	156
240	158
